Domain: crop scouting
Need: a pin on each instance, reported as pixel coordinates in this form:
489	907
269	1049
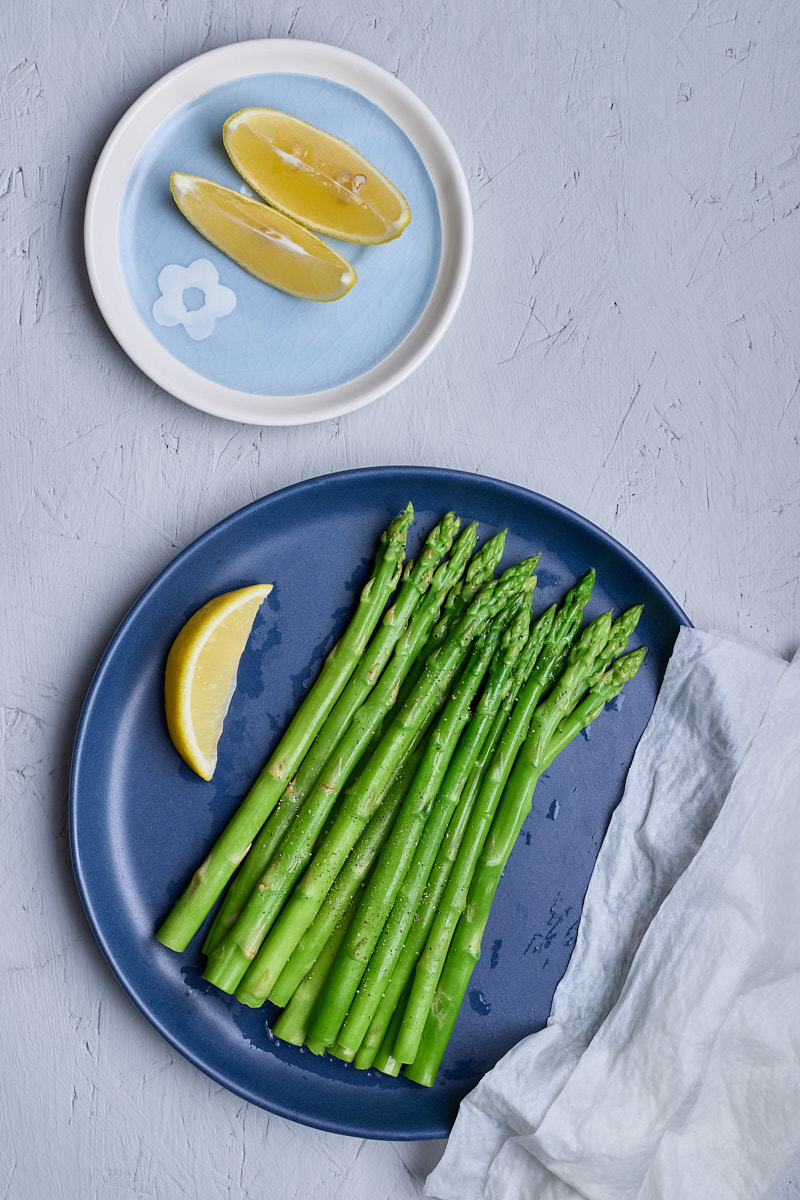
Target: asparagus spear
351	962
444	860
383	1058
376	1040
292	1024
618	639
546	739
229	960
192	907
398	986
368	790
604	688
419	921
417	580
379	1040
430	961
347	886
481	569
336	1051
571	683
384	957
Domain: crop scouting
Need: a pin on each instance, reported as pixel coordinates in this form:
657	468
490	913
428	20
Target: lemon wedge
200	676
265	242
314	177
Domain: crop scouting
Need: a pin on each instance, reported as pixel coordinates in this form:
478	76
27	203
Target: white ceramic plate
258	355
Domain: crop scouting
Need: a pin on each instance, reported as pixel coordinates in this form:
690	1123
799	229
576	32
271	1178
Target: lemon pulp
314	177
264	241
200	676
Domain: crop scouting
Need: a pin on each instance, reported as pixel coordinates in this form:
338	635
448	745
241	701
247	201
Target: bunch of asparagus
365	858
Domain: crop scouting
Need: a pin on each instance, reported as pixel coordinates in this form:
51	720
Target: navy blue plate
141	820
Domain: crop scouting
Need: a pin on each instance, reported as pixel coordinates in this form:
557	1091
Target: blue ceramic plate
141	820
205	329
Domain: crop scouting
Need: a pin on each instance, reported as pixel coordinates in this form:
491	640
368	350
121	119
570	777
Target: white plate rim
186	82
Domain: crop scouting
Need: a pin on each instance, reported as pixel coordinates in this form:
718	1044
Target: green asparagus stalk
618	639
366	793
464	547
546	738
292	1024
384	957
481	570
348	884
193	906
383	1059
398	986
417	580
581	660
390	870
302	990
604	689
430	962
336	1051
385	1025
230	959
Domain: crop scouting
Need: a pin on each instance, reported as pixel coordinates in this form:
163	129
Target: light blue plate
269	342
205	330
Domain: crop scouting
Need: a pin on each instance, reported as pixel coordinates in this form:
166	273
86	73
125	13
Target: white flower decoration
170	307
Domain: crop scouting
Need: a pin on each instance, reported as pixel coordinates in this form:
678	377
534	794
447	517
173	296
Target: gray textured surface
627	345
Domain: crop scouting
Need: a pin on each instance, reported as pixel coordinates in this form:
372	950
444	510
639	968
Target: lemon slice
262	240
314	177
200	677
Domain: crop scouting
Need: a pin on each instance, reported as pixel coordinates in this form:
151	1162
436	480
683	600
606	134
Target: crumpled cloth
670	1065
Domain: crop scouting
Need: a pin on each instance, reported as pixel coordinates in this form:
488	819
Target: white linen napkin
670	1065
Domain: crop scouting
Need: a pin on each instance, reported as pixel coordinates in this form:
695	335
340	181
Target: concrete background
628	345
